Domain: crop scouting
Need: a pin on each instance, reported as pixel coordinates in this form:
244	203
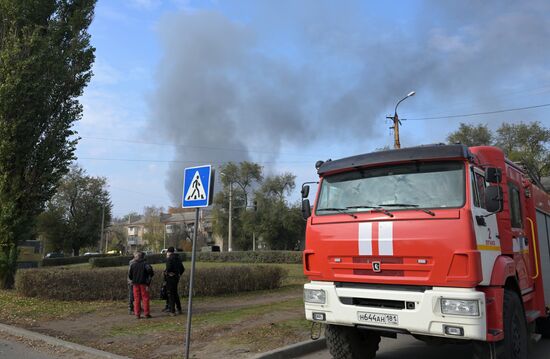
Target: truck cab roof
426	152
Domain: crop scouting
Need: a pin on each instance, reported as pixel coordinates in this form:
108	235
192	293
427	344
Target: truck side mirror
493	199
305	191
306	209
493	175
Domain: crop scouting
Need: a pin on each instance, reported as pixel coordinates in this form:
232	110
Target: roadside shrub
110	283
123	260
110	261
53	262
250	256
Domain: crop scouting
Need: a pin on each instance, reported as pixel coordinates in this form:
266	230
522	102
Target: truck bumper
425	318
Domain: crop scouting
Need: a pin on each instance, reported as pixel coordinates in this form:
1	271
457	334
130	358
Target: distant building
178	225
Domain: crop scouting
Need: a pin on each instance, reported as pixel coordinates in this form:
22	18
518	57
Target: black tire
543	327
515	344
351	343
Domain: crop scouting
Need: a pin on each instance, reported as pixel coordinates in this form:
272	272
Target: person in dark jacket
141	274
174	269
131	289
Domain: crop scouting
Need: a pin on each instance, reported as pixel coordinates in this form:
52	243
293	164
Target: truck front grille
373	303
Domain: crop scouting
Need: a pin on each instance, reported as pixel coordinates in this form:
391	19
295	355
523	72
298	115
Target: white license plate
378	318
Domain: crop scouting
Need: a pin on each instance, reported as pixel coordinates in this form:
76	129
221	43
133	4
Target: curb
295	350
57	342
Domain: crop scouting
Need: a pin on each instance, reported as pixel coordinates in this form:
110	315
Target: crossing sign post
198	186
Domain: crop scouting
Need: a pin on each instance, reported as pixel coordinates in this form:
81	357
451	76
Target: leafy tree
471	135
45	63
116	235
241	177
279	223
130	217
79	204
153	229
528	143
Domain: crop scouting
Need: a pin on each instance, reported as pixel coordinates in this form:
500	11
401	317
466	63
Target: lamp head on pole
412	93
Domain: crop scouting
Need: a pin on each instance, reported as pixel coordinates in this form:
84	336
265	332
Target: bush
250	257
110	283
110	261
63	261
124	260
53	262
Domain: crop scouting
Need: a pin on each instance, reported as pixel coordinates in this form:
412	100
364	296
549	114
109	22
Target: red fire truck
443	242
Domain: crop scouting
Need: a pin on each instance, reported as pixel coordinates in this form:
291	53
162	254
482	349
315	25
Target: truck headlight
460	307
317	296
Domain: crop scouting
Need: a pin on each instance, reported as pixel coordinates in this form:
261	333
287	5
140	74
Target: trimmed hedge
53	262
63	261
110	262
124	260
250	256
110	283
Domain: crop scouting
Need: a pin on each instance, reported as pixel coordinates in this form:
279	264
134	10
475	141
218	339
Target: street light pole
396	121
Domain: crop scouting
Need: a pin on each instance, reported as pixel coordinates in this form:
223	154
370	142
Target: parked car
210	249
54	255
92	253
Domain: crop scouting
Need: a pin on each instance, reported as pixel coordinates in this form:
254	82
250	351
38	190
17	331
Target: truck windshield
405	186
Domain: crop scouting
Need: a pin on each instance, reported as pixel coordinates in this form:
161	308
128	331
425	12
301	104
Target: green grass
210	319
19	309
15	308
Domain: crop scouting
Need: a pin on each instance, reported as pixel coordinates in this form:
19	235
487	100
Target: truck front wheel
351	343
515	343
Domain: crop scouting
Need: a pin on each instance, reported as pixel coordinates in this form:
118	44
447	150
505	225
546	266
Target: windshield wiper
374	209
408	205
337	209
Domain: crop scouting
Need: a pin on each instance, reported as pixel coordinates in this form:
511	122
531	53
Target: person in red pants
141	274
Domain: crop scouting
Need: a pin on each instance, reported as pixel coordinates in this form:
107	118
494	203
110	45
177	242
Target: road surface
407	347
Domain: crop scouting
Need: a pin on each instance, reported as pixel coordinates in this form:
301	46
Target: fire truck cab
443	242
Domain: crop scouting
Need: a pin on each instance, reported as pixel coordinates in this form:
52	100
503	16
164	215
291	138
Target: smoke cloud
233	91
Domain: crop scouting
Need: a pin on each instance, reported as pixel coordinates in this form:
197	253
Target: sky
179	83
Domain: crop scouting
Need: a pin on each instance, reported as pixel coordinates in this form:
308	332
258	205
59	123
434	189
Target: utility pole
102	229
230	231
164	245
395	128
397	122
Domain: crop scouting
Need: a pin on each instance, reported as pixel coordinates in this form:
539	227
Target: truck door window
515	205
480	189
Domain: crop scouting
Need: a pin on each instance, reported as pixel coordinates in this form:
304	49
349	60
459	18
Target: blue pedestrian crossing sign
197	187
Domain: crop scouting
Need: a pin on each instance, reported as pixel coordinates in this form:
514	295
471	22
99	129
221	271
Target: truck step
535	338
532	314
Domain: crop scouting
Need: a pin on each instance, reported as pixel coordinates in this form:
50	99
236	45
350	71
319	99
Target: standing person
140	274
131	288
174	269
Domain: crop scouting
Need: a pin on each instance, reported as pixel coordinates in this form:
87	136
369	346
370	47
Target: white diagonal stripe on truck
365	239
385	238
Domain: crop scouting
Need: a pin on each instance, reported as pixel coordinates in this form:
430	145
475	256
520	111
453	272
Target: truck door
543	230
521	238
485	226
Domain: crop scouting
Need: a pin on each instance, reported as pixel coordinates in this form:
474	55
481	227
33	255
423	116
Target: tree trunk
8	266
76	251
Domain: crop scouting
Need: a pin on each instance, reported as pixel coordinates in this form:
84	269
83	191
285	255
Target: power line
176	161
193	146
476	113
